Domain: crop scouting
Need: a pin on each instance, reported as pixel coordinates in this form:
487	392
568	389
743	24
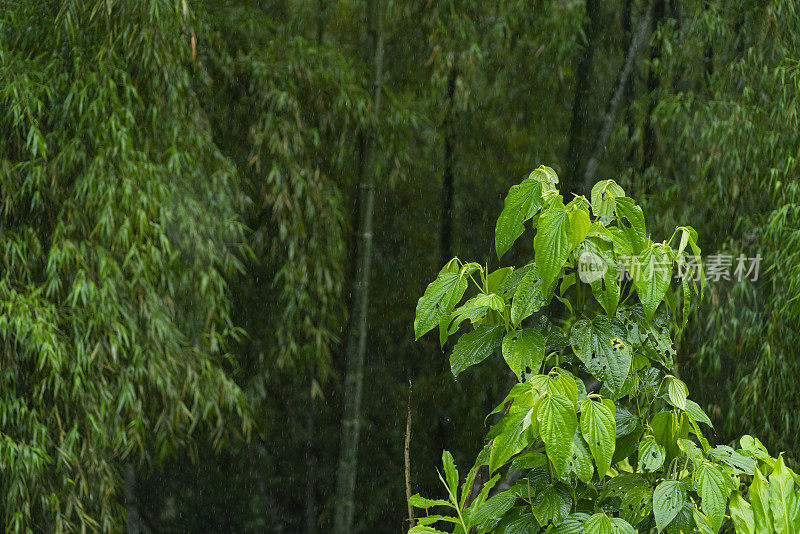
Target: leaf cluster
598	427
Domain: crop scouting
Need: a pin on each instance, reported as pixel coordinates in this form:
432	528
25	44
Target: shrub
598	434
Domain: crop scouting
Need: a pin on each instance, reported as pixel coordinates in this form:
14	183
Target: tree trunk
270	507
653	83
320	20
616	97
708	53
580	105
310	522
357	337
131	506
446	237
675	14
407	460
630	120
310	519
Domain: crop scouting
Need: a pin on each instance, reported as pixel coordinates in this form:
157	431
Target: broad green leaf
677	392
572	524
741	463
557	424
521	203
474	347
546	175
486	515
668	499
696	412
759	501
523	351
631	221
601	346
580	462
535	481
469	310
622	245
603	524
552	504
496	279
579	203
702	523
784	499
683	522
651	454
604	194
528	298
510	284
606	289
635	494
668	428
689	235
620	526
713	491
599	429
651	272
552	243
627	445
579	225
566	282
536	386
692	451
517	521
454	266
492	301
563	382
625	420
598	524
552	384
513	437
483	495
555	338
449	324
440	298
742	515
755	449
528	460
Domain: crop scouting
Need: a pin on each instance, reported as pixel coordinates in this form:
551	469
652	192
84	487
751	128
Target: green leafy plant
598	434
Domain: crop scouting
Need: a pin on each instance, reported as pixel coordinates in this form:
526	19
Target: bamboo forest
408	267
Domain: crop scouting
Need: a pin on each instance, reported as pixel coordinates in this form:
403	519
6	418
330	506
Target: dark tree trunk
310	522
310	519
616	97
320	20
407	459
653	83
271	507
131	504
446	237
675	14
580	105
708	54
630	119
357	332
